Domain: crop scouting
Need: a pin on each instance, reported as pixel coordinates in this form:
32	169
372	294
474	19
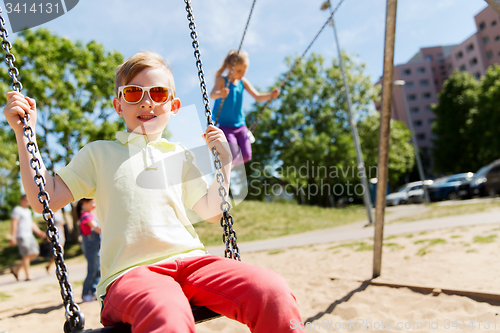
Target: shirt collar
134	138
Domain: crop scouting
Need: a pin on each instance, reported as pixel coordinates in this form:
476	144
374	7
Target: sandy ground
325	278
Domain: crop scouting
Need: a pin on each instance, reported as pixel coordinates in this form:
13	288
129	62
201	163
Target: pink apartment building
425	73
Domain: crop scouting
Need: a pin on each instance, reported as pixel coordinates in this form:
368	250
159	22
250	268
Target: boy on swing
153	265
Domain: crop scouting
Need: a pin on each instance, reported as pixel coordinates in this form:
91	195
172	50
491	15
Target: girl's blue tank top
231	114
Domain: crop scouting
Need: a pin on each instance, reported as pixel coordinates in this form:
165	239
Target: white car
402	194
416	195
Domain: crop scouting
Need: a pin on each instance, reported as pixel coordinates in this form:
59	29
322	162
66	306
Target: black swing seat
200	313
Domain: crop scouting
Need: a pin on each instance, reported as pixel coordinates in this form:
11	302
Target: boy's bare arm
17	106
259	97
208	207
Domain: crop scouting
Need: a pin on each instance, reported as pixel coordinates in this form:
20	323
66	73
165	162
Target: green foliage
73	85
309	130
468	122
454	149
9	173
401	152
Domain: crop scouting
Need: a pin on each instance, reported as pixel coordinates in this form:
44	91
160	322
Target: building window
450	67
441	67
462	68
426	95
439	55
412	97
486	40
436	82
421	70
417	123
421	136
470	47
460	54
428	58
493	23
443	73
424	83
415	110
409	84
482	25
406	72
477	75
497	38
473	62
428	108
430	122
433	70
489	55
441	61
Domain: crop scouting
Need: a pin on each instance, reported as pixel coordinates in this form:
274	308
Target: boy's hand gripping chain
75	320
226	221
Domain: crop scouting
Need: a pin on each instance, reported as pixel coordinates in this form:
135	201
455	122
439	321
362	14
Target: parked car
417	194
493	179
447	188
400	196
478	186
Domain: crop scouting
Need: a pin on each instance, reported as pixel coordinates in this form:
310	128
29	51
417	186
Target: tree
455	146
485	122
9	174
73	85
309	131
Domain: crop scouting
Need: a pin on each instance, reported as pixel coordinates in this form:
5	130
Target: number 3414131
47	8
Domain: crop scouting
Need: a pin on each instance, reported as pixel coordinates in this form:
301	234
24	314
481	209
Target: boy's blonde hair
241	58
136	64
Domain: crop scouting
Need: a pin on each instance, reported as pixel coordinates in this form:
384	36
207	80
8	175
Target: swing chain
229	236
9	57
252	127
74	318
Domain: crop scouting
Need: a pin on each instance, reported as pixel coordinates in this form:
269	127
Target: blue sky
278	29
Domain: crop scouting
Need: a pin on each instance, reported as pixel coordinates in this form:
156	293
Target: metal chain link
230	75
254	124
74	318
229	235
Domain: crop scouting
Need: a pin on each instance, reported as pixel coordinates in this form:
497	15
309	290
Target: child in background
153	264
231	119
91	246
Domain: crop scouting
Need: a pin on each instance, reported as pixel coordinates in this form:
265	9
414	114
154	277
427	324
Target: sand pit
326	280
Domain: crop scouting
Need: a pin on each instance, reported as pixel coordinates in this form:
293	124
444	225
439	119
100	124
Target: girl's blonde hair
241	58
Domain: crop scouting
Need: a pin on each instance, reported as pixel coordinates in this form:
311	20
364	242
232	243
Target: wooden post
495	4
385	122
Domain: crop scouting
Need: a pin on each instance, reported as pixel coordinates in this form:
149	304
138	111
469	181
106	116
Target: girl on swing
153	264
231	119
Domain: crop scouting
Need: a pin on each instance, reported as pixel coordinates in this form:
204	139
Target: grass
259	220
484	240
394	246
436	211
4	297
430	242
357	246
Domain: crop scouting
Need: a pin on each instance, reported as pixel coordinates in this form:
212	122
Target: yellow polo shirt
140	189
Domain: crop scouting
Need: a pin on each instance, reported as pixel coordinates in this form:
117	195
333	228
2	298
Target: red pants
157	298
